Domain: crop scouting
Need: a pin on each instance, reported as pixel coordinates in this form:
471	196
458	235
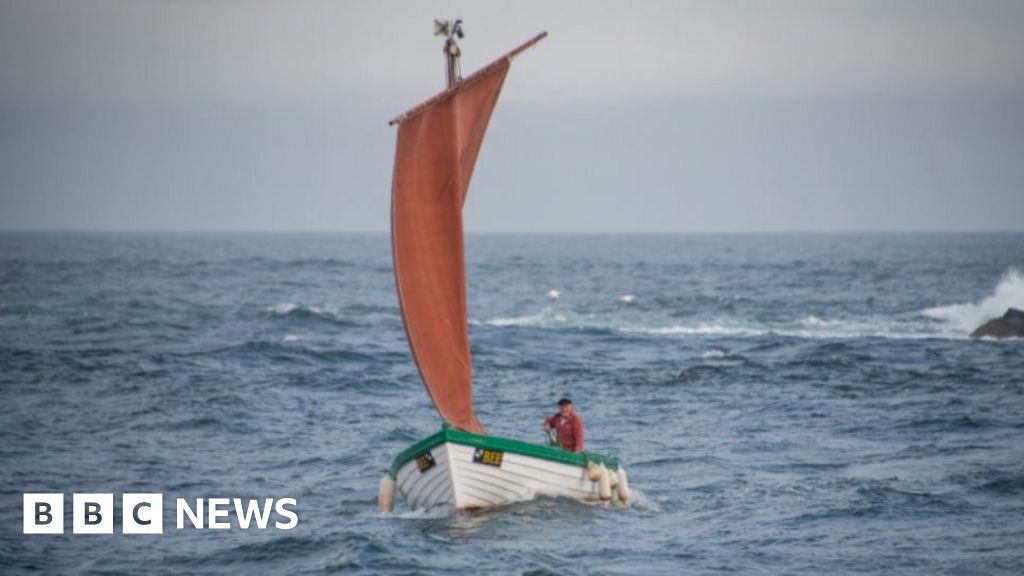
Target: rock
1009	325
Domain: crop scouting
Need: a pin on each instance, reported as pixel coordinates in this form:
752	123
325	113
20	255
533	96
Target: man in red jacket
568	426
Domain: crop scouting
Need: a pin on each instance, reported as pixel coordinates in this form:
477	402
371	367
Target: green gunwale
449	434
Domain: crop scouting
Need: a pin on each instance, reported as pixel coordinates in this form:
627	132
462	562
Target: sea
783	403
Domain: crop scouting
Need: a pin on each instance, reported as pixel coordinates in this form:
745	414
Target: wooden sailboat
461	466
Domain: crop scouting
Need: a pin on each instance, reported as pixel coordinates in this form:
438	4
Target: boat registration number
489	457
425	461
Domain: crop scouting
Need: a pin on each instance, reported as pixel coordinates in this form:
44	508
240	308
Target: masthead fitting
451	29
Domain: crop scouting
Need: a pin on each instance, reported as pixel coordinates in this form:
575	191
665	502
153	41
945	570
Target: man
568	426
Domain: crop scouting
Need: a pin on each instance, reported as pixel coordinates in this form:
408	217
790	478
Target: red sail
438	143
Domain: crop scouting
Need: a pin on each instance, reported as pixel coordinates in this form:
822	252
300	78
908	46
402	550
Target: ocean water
784	404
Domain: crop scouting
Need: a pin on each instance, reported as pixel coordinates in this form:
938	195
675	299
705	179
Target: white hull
455	480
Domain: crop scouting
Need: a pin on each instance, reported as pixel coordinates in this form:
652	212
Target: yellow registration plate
489	457
425	461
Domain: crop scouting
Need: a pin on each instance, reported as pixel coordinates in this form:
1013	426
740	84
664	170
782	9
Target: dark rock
1009	325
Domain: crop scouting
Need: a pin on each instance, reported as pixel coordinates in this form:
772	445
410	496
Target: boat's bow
461	470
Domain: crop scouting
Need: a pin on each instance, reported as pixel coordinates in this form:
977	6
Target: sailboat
461	466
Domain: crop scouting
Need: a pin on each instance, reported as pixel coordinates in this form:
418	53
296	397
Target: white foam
705	329
641	501
423	514
908	325
292	337
283	308
713	354
964	318
812	327
545	318
814	321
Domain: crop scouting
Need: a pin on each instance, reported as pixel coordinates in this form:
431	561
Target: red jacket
568	430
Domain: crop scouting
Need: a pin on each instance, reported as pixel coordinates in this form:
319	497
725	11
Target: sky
636	117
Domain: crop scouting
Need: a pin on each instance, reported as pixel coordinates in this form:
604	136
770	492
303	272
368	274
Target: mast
451	29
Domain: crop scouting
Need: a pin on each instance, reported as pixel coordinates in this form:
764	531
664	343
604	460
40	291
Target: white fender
613	478
604	485
386	494
624	494
593	472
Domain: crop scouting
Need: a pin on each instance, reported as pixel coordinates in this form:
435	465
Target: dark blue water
785	404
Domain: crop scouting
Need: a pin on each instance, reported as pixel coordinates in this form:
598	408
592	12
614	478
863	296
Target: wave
546	318
549	317
810	326
956	321
964	318
436	513
285	308
286	349
640	501
1004	484
297	311
318	262
700	329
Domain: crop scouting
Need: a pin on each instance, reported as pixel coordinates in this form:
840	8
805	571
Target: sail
438	143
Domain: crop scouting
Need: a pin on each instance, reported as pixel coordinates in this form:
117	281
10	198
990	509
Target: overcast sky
630	117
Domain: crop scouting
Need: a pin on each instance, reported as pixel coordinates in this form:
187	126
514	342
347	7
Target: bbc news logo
143	513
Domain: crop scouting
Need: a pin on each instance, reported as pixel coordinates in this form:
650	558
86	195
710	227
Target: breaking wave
285	308
546	318
964	318
800	327
953	321
293	309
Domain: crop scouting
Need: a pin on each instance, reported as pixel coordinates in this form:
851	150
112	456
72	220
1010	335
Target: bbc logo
93	513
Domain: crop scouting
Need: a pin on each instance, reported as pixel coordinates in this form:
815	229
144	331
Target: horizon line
328	232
